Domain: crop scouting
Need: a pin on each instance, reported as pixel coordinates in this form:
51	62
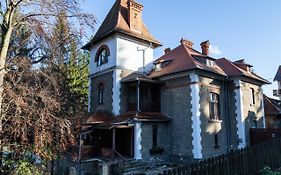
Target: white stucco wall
111	42
240	114
196	121
116	91
137	141
129	54
125	53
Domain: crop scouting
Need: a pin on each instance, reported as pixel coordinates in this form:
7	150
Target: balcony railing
89	151
145	107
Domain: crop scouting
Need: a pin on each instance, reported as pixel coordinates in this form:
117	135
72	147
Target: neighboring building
272	107
277	78
189	106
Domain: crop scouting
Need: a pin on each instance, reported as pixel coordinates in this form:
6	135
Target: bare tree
39	17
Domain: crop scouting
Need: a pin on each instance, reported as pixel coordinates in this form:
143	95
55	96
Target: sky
237	29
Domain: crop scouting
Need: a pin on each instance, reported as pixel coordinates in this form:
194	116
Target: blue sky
249	29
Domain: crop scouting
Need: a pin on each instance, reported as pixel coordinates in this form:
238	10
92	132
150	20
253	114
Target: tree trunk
3	55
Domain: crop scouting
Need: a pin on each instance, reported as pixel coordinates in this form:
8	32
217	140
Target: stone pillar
279	88
137	141
116	92
240	118
196	121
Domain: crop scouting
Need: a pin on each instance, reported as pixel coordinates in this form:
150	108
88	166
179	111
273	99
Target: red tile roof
231	69
117	21
105	120
181	59
278	75
271	106
184	58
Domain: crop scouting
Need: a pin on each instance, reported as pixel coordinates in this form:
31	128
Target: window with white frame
214	106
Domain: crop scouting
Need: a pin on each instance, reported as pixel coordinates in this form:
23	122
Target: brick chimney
187	43
135	15
167	50
205	47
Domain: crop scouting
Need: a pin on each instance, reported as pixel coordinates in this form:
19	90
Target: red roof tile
233	70
271	106
117	21
278	75
181	59
105	120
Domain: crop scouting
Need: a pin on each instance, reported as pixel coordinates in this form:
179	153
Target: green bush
26	168
268	171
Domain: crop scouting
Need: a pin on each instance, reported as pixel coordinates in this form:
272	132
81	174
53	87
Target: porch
115	143
110	138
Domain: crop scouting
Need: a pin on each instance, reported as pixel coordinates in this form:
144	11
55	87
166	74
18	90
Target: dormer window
102	55
161	64
209	62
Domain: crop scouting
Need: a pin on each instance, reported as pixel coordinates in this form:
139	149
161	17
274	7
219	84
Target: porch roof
106	121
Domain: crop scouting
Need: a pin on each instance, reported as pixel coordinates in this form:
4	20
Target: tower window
214	107
101	91
253	100
154	135
102	55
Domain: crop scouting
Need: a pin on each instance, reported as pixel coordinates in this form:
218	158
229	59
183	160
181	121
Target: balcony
145	107
90	151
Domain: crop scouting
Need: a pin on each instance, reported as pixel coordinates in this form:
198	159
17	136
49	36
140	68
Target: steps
135	167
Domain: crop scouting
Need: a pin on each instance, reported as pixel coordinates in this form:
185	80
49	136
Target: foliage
43	76
24	166
268	171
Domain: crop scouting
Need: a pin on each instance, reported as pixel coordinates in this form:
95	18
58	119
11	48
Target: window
217	141
102	57
209	62
154	135
253	100
214	107
101	91
255	124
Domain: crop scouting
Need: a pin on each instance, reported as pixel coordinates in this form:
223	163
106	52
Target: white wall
129	55
240	114
111	42
196	121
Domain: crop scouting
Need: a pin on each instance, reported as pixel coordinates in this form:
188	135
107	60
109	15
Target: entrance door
124	141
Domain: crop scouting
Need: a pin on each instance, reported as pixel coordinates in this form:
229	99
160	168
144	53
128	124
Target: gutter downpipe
138	96
79	153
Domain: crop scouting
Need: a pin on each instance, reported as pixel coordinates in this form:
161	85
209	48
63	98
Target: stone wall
232	116
253	113
107	79
210	128
163	139
176	103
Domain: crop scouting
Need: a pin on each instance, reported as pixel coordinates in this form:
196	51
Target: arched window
102	55
101	91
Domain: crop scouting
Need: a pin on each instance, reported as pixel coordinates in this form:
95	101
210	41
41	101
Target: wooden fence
248	161
259	135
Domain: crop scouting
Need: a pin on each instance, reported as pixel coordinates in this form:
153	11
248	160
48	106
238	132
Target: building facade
273	106
182	106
